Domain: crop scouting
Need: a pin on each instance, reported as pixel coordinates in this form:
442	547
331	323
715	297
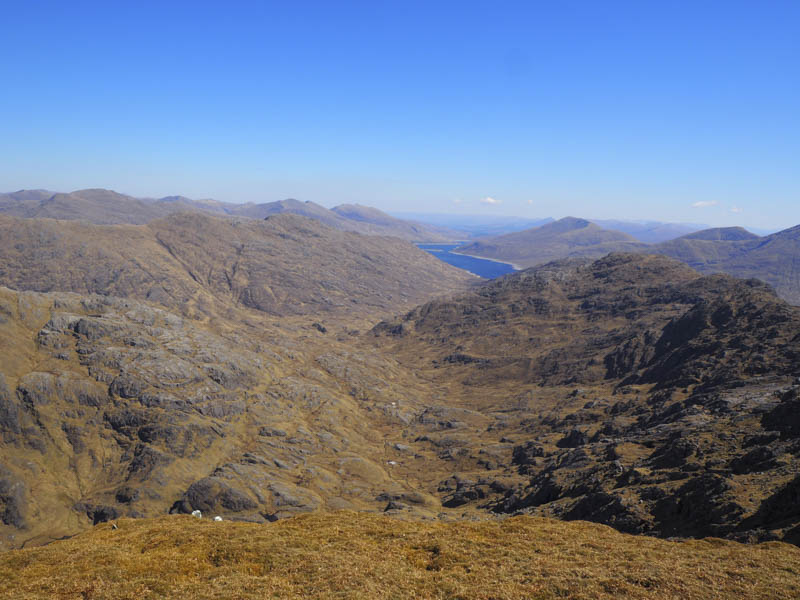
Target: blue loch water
479	266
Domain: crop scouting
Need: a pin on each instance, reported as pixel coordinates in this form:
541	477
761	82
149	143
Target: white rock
197	513
218	518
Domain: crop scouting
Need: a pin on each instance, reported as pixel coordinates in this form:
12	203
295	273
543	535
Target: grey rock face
12	499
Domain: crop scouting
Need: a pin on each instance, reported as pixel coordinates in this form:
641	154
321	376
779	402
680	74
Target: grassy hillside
351	555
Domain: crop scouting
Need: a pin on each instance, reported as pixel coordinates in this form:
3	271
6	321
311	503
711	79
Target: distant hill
103	207
350	217
703	250
722	234
411	230
774	259
650	232
289	206
365	214
567	237
20	202
106	207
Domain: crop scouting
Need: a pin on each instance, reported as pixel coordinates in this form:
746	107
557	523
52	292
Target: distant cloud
736	209
457	200
490	200
530	201
705	203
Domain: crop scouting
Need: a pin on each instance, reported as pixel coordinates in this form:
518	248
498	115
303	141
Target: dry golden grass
354	555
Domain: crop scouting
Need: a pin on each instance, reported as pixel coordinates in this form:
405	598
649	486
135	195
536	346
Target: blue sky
680	111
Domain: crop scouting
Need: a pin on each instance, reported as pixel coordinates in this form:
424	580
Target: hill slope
348	555
568	237
192	262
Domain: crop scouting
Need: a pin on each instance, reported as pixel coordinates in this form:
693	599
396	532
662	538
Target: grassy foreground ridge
356	555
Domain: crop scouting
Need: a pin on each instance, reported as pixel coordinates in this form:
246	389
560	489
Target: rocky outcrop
703	506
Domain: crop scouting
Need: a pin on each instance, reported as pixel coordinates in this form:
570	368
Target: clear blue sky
598	109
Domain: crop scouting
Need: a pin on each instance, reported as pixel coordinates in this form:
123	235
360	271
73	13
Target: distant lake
479	266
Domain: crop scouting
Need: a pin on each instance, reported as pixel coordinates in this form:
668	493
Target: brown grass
353	555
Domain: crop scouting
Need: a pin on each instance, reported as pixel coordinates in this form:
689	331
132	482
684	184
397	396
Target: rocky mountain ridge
629	391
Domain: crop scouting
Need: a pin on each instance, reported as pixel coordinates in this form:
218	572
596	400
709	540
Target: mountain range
106	207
